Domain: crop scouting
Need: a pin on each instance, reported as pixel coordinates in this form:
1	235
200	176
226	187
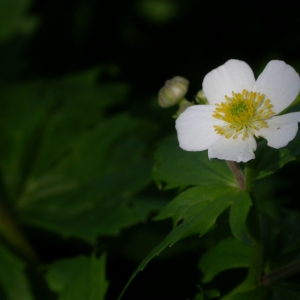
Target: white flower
241	108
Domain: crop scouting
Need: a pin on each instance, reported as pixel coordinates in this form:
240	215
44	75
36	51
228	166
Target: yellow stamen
243	113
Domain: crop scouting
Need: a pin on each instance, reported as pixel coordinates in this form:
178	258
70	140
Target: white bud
173	91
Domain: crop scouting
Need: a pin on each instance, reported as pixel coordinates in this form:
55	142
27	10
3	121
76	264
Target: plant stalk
237	173
282	273
256	262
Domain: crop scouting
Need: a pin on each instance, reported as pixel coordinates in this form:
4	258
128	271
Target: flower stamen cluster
243	113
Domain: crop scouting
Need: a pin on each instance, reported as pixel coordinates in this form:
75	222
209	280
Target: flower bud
201	98
173	91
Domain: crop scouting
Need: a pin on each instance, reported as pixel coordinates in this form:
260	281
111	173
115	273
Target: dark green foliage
82	140
78	278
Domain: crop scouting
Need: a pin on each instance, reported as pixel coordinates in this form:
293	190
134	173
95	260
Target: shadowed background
99	64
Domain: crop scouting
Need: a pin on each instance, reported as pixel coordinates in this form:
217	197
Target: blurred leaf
13	62
228	254
78	278
278	291
89	191
281	239
212	294
39	121
286	291
67	168
12	277
178	168
290	228
158	11
13	19
206	294
259	293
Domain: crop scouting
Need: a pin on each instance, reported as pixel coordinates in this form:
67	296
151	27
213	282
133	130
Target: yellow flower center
243	114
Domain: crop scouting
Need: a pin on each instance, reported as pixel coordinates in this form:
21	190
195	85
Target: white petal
195	128
235	150
281	130
233	76
280	83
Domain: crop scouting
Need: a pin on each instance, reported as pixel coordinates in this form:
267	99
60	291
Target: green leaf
78	278
226	255
64	166
191	201
198	208
13	280
176	168
90	191
40	121
238	217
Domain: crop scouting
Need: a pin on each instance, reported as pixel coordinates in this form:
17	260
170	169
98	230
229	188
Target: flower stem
250	177
256	253
237	173
282	273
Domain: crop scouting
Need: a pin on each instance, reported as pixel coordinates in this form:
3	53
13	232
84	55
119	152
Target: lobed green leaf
196	210
90	191
64	166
